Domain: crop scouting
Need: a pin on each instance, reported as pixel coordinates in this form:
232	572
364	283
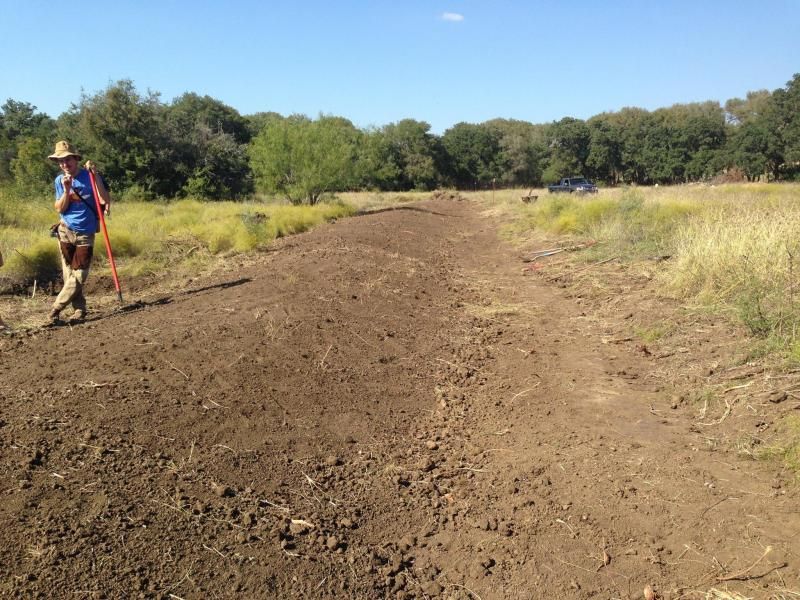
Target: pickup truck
580	185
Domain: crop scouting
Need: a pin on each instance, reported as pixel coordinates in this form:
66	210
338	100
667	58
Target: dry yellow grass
734	248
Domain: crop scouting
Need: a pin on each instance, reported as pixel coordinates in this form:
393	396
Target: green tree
522	152
377	165
20	122
633	124
191	110
221	169
124	132
569	144
412	149
208	148
754	148
473	154
259	120
604	161
20	119
786	119
702	135
739	111
302	159
32	169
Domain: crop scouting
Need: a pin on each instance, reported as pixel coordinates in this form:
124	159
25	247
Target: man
79	222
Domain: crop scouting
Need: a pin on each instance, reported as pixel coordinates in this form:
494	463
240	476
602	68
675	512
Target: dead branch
517	395
602	262
725	415
618	340
178	370
737	387
322	362
702	514
214	550
92	384
743	573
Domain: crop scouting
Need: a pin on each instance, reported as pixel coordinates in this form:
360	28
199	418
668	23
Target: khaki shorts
76	248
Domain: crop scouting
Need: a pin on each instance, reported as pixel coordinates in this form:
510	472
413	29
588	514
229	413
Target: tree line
198	146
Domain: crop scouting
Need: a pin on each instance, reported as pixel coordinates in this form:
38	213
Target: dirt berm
385	407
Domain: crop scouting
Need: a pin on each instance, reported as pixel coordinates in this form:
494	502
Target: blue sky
439	61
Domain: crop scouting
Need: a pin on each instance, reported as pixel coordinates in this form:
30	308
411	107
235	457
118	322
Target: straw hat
63	150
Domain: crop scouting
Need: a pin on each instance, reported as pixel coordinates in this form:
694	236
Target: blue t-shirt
79	216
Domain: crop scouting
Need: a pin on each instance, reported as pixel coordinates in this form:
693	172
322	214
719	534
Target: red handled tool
105	235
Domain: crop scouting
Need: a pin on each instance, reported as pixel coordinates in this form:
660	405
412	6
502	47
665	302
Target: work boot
53	316
78	316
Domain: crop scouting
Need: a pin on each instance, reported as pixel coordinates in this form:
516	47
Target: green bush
38	261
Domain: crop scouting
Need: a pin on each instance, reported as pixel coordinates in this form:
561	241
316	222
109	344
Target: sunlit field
731	248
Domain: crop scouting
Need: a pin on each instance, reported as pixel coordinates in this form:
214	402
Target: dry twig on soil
214	550
702	514
737	387
574	565
178	370
515	396
273	505
744	573
322	362
467	589
714	594
92	384
602	262
725	415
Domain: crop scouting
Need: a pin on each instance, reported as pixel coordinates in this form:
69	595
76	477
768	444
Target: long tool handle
105	236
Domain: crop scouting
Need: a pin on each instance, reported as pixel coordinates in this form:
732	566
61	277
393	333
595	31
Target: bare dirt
390	407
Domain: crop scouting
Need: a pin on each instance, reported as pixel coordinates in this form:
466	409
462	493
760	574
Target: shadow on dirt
217	286
142	304
139	304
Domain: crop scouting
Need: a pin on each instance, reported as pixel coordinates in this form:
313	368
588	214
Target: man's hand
105	200
66	181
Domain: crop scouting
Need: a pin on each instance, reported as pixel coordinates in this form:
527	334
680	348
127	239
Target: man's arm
62	202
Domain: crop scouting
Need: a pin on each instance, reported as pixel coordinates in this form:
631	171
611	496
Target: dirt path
384	407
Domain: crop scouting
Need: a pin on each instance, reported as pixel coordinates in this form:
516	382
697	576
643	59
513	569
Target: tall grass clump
744	257
734	248
785	444
628	223
29	253
33	260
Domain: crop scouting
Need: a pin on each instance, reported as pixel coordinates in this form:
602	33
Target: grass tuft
38	260
785	445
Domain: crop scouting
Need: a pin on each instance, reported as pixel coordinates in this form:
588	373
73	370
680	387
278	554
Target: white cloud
448	16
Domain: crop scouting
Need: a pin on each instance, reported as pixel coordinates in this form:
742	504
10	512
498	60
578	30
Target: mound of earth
387	407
